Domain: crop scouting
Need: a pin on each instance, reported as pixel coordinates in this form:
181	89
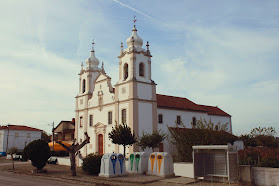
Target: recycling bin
120	165
152	164
137	163
112	165
164	165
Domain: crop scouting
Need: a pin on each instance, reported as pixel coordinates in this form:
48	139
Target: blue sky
219	53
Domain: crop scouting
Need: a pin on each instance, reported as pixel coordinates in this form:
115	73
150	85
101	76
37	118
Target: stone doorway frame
100	128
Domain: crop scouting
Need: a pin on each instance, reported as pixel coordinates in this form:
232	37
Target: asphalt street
11	179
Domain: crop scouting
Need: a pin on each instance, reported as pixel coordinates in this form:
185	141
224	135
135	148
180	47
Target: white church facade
132	100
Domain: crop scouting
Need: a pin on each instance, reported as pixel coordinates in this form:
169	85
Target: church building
132	100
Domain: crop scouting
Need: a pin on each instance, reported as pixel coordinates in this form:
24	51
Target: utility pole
7	138
52	136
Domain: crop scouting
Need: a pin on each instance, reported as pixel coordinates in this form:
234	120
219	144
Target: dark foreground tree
73	152
38	152
122	135
151	140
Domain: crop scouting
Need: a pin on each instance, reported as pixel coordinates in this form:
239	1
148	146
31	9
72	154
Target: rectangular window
80	121
160	118
123	115
110	117
28	135
178	120
90	120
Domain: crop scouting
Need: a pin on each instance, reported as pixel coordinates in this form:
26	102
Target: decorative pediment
100	128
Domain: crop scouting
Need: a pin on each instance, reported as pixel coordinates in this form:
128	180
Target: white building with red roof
17	136
132	100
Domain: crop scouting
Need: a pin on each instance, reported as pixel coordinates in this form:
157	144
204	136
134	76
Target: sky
218	53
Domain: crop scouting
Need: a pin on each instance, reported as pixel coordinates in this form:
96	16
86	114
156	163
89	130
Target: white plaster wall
183	169
19	141
141	58
169	118
125	59
90	89
2	139
80	132
145	118
81	103
144	91
100	116
124	105
104	86
123	93
222	119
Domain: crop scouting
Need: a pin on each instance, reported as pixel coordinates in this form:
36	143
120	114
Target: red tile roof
186	104
19	127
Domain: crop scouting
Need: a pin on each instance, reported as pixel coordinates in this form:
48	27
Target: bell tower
135	91
87	76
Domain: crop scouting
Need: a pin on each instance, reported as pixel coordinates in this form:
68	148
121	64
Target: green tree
12	151
122	135
151	140
38	152
260	136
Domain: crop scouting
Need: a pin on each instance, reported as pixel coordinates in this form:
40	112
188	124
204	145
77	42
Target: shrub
38	152
92	164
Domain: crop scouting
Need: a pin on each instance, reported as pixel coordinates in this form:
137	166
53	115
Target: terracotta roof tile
186	104
214	110
19	127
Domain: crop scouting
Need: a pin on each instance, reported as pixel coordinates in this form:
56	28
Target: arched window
125	71
83	86
141	69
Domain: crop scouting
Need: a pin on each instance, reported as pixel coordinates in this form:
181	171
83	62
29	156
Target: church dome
137	40
92	60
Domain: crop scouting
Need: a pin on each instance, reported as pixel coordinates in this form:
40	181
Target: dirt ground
62	173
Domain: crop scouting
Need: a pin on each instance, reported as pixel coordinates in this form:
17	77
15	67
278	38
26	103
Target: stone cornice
136	52
135	80
118	102
89	94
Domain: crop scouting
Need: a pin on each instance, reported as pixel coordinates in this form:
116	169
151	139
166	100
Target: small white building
17	136
132	100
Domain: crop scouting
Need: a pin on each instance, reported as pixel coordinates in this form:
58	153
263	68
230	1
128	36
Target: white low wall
265	176
184	169
66	161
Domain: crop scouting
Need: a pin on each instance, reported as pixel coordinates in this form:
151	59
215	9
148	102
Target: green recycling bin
137	163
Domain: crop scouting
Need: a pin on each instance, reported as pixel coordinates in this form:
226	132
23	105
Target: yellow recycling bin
152	164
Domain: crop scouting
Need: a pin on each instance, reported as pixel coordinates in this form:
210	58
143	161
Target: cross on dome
93	43
134	21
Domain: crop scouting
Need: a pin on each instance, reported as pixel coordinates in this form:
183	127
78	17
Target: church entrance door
100	144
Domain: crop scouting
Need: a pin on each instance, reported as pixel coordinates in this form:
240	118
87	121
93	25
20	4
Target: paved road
11	179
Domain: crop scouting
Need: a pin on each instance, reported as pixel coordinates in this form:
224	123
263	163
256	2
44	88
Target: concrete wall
184	169
245	174
66	161
258	175
265	176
